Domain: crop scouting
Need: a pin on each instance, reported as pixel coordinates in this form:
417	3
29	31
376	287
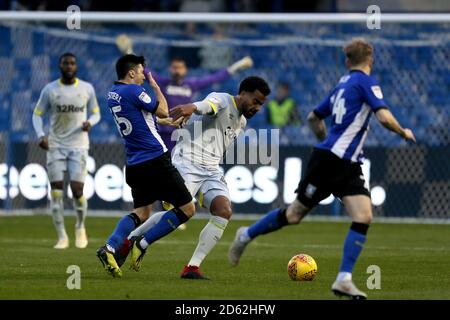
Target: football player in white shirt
67	101
220	118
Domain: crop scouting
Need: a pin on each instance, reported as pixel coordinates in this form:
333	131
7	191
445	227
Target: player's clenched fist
43	143
150	79
86	126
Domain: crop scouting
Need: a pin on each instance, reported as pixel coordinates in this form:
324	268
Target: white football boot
237	247
347	288
62	244
81	240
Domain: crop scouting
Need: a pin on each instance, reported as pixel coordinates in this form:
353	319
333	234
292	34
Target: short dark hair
253	83
66	54
126	63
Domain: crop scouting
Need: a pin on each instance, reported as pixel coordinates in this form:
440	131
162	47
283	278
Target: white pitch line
240	216
256	243
319	246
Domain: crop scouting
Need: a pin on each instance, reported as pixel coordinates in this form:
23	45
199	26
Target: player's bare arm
169	122
163	110
387	119
186	110
317	126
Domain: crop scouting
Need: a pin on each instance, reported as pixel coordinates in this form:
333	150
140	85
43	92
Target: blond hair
358	51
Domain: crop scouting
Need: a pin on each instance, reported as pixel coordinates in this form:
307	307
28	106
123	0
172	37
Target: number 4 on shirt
338	106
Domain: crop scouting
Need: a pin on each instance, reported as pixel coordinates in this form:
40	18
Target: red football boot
192	272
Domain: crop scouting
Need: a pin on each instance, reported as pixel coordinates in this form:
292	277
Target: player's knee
224	212
143	212
188	209
295	213
293	217
221	207
77	193
58	185
367	219
77	189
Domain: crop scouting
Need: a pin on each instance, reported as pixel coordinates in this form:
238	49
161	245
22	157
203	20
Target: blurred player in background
221	117
68	101
335	164
179	89
149	170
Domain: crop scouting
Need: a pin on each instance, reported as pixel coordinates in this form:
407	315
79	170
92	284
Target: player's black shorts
156	179
328	174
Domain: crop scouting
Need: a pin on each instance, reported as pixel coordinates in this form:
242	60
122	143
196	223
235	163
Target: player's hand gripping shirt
206	138
133	110
351	104
68	107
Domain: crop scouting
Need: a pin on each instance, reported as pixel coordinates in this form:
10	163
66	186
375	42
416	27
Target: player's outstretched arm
163	110
387	119
219	76
186	110
317	126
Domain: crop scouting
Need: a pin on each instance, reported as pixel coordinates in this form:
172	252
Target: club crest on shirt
377	91
145	97
230	133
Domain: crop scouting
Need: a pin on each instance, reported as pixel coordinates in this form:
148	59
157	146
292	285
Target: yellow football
302	267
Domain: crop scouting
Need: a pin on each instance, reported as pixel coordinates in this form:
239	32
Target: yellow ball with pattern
302	267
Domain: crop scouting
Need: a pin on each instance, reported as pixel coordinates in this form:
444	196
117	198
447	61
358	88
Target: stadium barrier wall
404	182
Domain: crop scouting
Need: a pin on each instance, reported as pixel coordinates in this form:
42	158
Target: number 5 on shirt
121	120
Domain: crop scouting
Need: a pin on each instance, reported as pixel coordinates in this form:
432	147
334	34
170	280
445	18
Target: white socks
80	206
208	238
57	205
344	276
148	224
244	237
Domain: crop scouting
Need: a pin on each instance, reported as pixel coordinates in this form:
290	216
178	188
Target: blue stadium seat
415	79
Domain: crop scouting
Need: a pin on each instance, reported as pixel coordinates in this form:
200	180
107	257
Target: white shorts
72	161
203	184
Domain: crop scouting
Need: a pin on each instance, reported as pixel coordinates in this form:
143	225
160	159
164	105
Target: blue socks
353	245
124	227
272	221
169	222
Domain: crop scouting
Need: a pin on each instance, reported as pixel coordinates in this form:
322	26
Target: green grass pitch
414	262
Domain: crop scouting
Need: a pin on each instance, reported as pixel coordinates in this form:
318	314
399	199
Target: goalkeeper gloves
124	44
239	65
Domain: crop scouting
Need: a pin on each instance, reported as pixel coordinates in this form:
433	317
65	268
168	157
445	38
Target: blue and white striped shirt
133	110
351	103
